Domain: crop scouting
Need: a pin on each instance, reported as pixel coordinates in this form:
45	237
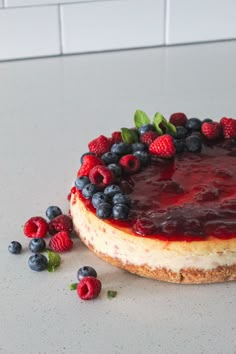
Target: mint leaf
127	135
73	286
111	294
134	134
159	119
54	260
171	127
141	118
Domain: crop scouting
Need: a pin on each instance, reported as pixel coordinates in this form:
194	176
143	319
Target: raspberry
178	119
99	145
130	163
89	161
89	288
61	242
211	130
36	227
144	226
101	176
163	146
116	138
60	223
229	127
148	137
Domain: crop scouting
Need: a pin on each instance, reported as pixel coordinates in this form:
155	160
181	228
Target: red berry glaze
61	242
148	137
144	226
229	127
130	164
89	161
99	145
101	176
178	119
60	223
163	146
36	227
89	288
211	130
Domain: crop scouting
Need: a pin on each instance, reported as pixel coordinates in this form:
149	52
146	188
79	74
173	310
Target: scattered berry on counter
130	164
15	247
89	288
110	157
52	212
100	145
36	227
193	143
148	138
121	149
61	242
99	198
89	190
120	211
211	130
60	223
86	271
178	119
38	262
37	245
112	190
193	124
104	210
229	127
89	161
81	181
163	146
101	176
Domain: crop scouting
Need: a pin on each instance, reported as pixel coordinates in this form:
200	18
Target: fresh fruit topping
81	181
120	198
36	227
229	127
116	138
161	123
111	294
211	130
146	128
178	119
112	190
141	118
37	245
99	145
38	262
89	190
163	146
101	176
120	211
116	169
193	143
129	136
148	138
143	156
194	124
85	154
89	162
181	133
60	223
52	212
104	210
54	260
15	247
130	164
89	288
86	271
110	157
139	147
99	198
144	226
121	149
61	242
207	120
179	145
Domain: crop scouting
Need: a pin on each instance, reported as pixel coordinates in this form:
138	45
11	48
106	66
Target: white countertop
49	110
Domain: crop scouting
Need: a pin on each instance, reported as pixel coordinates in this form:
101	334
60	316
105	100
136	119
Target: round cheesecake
181	225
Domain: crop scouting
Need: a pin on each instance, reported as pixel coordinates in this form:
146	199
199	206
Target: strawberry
116	138
60	223
36	227
130	163
61	242
89	161
211	130
148	137
228	127
178	119
89	288
101	176
163	146
99	145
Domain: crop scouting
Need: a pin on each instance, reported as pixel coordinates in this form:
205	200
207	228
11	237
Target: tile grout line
60	26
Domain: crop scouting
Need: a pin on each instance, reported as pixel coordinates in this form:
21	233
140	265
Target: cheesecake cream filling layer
115	243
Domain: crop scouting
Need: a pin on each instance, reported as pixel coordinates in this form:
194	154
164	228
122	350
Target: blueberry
139	147
99	198
104	211
37	245
121	149
179	145
120	198
120	211
143	156
52	212
110	157
181	133
89	190
193	143
112	190
146	128
86	271
81	181
193	124
207	120
38	262
85	154
15	247
116	169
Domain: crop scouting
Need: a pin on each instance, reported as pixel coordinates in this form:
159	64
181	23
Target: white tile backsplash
112	25
198	20
29	32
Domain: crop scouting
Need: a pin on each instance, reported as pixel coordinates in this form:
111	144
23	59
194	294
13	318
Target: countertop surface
49	110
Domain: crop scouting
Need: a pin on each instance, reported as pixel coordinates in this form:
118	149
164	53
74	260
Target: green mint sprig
111	294
129	136
54	260
73	286
141	118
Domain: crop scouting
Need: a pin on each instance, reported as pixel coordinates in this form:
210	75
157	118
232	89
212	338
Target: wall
34	28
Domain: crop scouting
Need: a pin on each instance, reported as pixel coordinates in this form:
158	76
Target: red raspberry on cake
60	223
178	119
116	138
101	176
100	145
89	161
163	146
148	137
36	227
61	242
130	164
211	130
228	127
89	288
